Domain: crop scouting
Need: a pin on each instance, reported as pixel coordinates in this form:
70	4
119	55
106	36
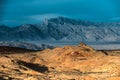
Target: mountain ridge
62	29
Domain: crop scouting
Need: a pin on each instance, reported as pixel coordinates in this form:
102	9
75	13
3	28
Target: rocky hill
62	63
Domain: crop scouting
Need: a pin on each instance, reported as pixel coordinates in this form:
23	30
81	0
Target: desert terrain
80	62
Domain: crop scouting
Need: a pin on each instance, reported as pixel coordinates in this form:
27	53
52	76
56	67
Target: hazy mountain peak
62	20
4	28
65	20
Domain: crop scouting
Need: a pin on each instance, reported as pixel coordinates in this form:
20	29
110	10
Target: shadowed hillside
12	50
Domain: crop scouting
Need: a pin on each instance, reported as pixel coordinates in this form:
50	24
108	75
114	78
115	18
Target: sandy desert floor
80	62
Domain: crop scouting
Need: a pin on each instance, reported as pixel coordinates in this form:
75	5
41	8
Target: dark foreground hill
13	50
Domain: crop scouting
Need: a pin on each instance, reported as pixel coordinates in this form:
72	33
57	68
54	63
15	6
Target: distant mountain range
26	45
62	29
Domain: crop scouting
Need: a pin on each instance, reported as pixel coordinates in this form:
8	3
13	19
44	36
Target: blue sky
16	12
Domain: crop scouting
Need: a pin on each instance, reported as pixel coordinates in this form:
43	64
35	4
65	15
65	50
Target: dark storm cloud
33	11
2	2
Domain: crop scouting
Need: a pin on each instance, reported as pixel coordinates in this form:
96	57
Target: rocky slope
62	63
